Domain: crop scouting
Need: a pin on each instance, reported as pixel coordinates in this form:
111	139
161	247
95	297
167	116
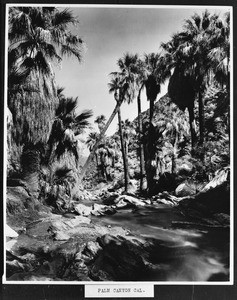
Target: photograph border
232	281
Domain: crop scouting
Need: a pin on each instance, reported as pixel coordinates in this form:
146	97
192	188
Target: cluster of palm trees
43	118
193	60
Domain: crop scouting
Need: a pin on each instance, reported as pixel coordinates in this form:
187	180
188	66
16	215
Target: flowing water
196	253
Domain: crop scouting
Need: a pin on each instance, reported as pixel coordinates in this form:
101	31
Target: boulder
221	176
9	232
120	259
184	189
83	210
100	209
128	201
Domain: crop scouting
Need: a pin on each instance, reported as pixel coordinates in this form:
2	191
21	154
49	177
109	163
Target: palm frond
81	120
67	50
63	18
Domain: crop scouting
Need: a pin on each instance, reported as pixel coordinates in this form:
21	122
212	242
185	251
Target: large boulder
214	197
184	189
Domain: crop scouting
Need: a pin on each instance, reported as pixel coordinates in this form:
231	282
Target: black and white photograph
118	145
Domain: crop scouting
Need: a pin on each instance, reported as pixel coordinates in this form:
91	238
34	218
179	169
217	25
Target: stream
192	253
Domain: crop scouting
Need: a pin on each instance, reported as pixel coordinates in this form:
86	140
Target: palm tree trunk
192	130
201	118
30	162
150	154
92	153
125	161
151	111
175	151
141	149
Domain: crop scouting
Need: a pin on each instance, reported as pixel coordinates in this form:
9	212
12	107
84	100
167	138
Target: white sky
108	34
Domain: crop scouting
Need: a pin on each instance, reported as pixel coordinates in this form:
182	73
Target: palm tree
37	37
191	54
66	127
198	31
133	68
115	86
220	58
90	142
100	120
123	91
127	130
155	74
106	159
182	93
219	54
133	72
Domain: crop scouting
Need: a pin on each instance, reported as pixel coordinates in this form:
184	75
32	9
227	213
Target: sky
109	33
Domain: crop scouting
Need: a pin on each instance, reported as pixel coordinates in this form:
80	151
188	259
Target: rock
10	244
222	218
221	176
128	201
9	232
184	189
166	182
61	236
99	209
120	259
184	169
91	251
132	186
217	199
83	210
16	197
128	258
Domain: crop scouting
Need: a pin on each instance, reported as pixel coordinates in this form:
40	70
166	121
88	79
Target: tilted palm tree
124	91
37	36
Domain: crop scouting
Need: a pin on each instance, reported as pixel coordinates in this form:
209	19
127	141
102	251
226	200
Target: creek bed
196	252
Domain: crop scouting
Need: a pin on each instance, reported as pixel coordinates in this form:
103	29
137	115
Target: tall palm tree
37	37
135	71
191	53
219	54
220	58
115	86
140	83
198	31
182	93
155	76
